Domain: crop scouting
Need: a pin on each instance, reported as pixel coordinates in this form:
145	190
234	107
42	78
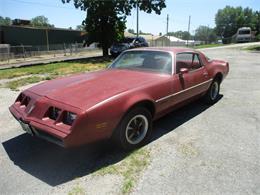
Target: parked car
127	43
122	101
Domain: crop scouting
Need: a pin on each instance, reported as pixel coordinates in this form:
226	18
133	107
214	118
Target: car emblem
31	109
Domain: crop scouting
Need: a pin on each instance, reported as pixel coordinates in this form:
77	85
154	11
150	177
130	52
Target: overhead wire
41	4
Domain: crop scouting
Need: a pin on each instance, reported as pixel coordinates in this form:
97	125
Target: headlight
54	113
24	100
69	118
20	97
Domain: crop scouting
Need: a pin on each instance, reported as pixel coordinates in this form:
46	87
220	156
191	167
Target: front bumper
39	130
33	113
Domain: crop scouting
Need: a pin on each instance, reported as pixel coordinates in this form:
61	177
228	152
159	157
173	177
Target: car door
193	80
197	75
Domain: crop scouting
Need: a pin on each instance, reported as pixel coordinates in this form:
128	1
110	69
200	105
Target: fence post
70	49
8	54
64	46
76	47
23	52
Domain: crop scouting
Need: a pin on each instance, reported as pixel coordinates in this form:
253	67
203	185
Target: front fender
105	116
136	99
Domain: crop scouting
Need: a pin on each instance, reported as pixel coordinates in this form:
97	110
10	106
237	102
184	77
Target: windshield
244	32
155	61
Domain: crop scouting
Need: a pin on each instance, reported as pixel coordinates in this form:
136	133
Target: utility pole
207	42
137	18
188	31
167	27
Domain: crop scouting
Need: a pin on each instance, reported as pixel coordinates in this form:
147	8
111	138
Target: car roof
165	49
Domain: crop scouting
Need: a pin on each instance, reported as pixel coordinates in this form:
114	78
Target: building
168	41
42	38
160	41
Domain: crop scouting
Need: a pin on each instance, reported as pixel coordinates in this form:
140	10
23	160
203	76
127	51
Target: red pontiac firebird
121	101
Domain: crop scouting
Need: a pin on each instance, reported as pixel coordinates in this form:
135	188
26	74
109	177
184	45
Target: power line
41	4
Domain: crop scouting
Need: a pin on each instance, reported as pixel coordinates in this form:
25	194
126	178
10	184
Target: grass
14	85
207	46
188	150
77	190
62	68
130	168
49	71
253	48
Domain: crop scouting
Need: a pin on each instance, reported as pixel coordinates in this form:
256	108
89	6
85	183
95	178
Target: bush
227	40
257	37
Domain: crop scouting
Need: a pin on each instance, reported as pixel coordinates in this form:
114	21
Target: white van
244	34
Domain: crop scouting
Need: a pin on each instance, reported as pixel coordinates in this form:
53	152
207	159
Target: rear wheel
134	129
212	94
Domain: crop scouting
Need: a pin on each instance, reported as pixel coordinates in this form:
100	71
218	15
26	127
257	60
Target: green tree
185	35
132	31
80	27
229	19
205	33
5	21
105	21
143	33
41	21
257	22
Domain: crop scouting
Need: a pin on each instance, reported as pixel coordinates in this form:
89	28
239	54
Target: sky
202	12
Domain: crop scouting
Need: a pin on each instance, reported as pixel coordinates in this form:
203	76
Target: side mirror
184	71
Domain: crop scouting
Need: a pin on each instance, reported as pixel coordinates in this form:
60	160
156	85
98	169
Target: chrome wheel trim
136	129
214	90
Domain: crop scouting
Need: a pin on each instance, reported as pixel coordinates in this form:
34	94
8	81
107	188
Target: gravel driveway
195	150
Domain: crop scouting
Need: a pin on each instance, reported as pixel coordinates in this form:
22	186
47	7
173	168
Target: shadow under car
55	165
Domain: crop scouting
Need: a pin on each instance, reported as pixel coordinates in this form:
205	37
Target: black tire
212	95
123	136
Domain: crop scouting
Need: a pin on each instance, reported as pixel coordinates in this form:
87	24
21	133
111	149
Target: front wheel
212	95
134	129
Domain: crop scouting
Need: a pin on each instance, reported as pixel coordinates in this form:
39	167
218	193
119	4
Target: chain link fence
24	52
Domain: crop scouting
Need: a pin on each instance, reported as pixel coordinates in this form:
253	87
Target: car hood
86	90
